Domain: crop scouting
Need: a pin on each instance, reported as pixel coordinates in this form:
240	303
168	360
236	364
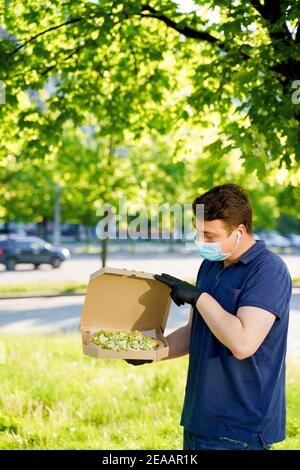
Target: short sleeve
202	268
270	288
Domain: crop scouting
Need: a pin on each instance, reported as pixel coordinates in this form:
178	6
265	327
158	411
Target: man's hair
227	202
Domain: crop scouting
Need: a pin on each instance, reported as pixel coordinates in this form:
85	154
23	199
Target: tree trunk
56	227
104	247
87	237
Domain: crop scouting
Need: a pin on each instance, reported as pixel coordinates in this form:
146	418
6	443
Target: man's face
215	231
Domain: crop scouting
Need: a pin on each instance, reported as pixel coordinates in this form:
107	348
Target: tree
146	67
241	58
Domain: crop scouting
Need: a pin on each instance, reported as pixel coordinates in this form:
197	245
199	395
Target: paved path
54	314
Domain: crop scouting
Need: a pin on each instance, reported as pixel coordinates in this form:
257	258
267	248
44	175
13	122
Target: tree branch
271	11
185	30
53	28
258	7
297	39
74	51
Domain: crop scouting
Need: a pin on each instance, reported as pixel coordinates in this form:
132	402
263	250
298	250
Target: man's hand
181	291
138	362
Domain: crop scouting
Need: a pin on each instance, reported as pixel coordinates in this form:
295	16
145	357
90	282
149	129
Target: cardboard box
124	300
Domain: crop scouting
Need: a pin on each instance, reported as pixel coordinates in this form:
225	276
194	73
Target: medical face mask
212	251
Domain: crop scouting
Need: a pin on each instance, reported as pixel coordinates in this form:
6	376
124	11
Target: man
237	334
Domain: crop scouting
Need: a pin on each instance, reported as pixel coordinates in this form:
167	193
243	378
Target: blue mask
212	251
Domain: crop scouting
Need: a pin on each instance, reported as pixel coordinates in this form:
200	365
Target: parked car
15	249
12	229
69	230
275	240
294	240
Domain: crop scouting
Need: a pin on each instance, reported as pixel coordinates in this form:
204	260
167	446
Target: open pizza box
124	300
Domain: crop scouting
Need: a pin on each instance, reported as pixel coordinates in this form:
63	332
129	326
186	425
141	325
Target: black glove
181	291
138	362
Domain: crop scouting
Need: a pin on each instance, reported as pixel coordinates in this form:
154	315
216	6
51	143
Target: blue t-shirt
226	396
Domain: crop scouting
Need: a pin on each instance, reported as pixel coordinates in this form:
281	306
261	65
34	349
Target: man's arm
243	333
179	340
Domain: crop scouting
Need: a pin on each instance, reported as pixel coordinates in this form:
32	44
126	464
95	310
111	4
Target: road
61	314
79	268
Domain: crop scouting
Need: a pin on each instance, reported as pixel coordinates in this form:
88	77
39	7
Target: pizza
124	341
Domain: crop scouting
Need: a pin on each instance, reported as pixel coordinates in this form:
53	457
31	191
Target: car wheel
11	263
56	262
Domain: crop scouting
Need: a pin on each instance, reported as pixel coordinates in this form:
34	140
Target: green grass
43	287
54	397
59	288
132	247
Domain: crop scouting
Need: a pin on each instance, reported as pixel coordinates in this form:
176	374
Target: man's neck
239	252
